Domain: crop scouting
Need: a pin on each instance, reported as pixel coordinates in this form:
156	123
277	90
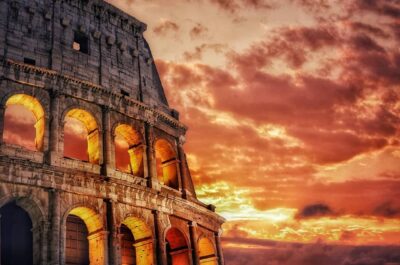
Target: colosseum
128	197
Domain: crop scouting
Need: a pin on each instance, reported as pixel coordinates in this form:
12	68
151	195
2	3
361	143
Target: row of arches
85	240
24	126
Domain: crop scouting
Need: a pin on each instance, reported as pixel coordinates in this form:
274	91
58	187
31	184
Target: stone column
112	234
2	112
219	247
150	163
193	239
54	128
56	34
161	255
181	165
140	96
107	139
39	234
118	256
54	231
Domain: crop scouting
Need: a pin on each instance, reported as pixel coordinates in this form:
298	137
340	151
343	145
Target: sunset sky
293	109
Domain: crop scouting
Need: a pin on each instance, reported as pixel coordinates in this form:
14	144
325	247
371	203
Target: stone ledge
73	181
41	72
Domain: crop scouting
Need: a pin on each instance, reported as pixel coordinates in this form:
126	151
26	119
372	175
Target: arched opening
16	235
128	254
128	150
166	164
77	247
81	136
85	240
24	122
207	252
177	248
137	247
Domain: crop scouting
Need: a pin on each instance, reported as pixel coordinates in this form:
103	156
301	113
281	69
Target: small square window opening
29	61
81	43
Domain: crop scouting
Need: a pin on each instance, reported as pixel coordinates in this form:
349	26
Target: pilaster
193	239
159	242
182	175
219	247
107	140
150	158
54	231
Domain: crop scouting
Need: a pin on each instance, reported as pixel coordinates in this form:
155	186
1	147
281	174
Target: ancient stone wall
88	60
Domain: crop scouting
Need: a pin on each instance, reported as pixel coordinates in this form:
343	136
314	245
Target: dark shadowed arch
16	235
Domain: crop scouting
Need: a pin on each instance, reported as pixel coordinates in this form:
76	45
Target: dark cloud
198	52
198	30
315	210
369	29
389	8
234	6
364	43
387	209
166	27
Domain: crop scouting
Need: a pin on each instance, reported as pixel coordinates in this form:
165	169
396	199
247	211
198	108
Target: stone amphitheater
87	62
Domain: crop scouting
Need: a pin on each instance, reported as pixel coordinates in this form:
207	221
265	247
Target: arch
207	252
96	239
28	204
91	126
176	247
91	219
16	235
143	240
133	149
33	105
166	162
33	207
77	247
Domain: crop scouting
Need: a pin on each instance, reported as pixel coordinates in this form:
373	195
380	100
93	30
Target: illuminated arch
96	238
33	105
143	241
167	170
134	146
207	252
177	247
92	128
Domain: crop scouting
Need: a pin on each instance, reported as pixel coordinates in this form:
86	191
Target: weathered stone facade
85	57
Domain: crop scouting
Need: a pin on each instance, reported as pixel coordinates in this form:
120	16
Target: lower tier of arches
78	231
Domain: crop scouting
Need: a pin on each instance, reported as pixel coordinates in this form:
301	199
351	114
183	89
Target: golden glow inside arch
96	238
143	240
177	247
134	146
90	218
166	164
36	108
207	252
92	132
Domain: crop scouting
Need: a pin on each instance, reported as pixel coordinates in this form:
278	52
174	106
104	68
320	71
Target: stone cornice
24	172
41	72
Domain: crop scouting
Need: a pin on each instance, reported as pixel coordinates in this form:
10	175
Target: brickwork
113	78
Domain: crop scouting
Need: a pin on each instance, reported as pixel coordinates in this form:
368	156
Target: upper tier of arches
81	135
